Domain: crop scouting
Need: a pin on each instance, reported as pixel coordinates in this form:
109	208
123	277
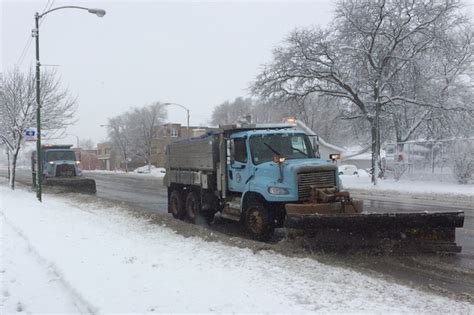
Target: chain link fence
440	160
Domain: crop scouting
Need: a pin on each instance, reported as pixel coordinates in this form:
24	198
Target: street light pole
39	166
187	114
77	139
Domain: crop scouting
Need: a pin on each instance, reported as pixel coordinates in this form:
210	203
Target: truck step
232	217
231	211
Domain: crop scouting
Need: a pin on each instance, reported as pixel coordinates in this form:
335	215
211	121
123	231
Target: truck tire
176	205
193	207
259	221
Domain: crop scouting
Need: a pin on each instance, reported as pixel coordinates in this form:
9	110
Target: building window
174	133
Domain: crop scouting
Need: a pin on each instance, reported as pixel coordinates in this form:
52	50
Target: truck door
239	170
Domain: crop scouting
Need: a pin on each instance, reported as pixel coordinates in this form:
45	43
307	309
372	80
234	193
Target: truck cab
57	161
269	169
269	163
60	167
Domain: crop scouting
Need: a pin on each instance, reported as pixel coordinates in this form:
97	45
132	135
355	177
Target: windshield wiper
274	151
302	152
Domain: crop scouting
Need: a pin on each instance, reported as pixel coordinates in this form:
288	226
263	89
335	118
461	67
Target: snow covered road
60	256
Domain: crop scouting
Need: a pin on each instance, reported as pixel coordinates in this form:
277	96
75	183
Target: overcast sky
198	54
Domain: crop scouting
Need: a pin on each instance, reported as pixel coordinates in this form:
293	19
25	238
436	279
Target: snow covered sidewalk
60	256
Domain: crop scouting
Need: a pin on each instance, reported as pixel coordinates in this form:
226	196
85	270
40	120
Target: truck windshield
290	146
60	156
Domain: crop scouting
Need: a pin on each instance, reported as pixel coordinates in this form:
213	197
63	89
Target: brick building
89	160
88	157
106	156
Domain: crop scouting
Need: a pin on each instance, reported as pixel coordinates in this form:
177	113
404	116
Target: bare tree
144	124
230	112
132	133
361	59
87	144
18	110
318	112
462	163
120	134
440	82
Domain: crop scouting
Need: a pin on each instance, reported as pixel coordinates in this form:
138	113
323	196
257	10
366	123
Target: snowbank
406	186
59	256
141	171
152	170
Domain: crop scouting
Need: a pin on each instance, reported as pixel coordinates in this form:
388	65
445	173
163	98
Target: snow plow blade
432	232
72	184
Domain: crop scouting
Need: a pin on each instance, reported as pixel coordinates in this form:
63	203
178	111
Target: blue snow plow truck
61	168
269	176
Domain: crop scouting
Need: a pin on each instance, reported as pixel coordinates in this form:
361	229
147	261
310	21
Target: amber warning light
335	156
278	159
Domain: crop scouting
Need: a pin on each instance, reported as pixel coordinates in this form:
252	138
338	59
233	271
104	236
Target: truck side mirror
230	151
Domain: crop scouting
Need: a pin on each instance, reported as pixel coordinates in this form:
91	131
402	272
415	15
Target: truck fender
250	196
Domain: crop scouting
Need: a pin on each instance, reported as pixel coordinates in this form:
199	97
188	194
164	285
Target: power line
23	53
49	8
30	39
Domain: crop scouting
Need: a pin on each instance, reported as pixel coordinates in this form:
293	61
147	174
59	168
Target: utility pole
187	115
39	164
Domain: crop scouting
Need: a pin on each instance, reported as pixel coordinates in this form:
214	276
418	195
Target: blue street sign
30	133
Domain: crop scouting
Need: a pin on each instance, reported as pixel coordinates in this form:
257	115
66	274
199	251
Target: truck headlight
278	191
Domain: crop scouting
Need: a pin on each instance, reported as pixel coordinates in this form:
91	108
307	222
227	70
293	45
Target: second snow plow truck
60	168
268	176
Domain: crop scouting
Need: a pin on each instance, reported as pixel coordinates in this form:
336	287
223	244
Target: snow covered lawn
406	186
60	256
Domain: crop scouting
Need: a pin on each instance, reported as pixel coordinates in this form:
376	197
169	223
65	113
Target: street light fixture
187	114
98	12
35	33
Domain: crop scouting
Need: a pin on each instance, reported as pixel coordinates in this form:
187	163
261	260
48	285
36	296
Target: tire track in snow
82	305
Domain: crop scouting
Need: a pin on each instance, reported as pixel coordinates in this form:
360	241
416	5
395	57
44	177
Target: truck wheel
193	207
259	222
176	206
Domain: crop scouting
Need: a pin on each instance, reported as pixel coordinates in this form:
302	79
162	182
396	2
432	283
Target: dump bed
196	154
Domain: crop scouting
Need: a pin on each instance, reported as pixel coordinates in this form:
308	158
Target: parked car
348	170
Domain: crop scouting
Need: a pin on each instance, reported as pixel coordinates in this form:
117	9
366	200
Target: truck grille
319	179
65	170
